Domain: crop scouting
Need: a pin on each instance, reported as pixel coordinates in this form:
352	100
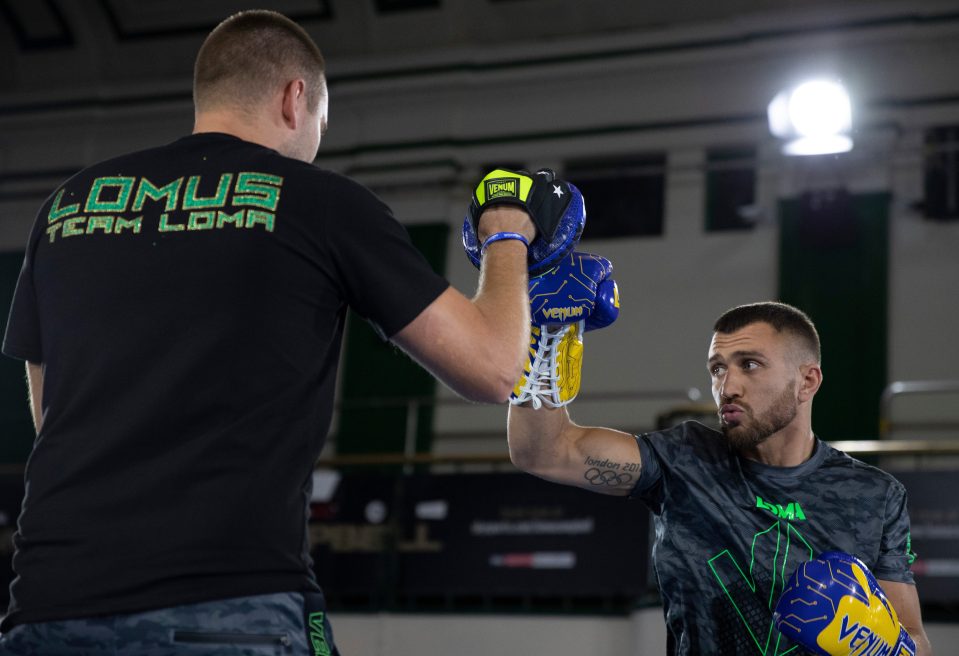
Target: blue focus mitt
556	208
835	607
567	300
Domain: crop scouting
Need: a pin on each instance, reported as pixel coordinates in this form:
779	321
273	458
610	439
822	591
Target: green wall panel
834	262
16	426
374	370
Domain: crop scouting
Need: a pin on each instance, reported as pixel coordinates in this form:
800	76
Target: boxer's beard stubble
756	429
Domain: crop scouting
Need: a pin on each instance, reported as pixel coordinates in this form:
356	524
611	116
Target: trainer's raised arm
476	346
517	222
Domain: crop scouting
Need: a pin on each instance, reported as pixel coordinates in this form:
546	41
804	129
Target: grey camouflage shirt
730	532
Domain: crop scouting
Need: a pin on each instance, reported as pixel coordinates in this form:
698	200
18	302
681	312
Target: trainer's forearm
35	389
503	306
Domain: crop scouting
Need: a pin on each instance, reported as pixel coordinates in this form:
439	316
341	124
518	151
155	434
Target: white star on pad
557	191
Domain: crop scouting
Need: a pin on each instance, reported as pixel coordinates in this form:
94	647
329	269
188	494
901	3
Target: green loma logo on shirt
792	511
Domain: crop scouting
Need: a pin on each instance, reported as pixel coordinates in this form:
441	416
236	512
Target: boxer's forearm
548	444
904	597
536	437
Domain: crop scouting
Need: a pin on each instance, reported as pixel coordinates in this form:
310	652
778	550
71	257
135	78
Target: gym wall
419	121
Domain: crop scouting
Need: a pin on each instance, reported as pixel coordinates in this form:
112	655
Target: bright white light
815	118
779	123
819	108
821	145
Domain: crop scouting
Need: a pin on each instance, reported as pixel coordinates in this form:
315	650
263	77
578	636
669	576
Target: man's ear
294	96
810	381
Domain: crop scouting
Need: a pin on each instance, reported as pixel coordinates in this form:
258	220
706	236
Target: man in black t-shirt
181	310
737	511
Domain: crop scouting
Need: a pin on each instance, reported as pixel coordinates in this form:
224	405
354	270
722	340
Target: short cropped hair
782	317
251	54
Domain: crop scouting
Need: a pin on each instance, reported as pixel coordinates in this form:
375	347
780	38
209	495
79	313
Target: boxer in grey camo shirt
736	511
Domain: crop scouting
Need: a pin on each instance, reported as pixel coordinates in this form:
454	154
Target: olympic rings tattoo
607	477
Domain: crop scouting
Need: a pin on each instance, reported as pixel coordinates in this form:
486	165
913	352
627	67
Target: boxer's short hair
784	318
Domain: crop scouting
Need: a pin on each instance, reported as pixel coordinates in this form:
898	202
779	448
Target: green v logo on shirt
753	588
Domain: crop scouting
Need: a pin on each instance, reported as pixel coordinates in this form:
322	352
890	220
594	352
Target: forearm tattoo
606	473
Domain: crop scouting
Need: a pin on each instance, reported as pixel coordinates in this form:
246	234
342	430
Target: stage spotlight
813	118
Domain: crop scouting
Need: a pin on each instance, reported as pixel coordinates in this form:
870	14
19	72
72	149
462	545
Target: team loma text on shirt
112	205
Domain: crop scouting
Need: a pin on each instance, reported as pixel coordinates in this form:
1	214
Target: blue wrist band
497	236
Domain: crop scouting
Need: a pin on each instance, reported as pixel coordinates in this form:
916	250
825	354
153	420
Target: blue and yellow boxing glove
834	606
556	208
575	296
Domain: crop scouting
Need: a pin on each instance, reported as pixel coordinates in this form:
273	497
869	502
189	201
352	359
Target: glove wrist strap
498	236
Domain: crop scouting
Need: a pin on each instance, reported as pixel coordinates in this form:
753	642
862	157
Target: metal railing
878	447
852	447
414	404
900	388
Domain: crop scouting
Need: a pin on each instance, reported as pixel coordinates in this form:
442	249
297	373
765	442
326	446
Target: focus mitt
556	208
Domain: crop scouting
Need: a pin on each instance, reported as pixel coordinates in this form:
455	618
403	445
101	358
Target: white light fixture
325	482
813	118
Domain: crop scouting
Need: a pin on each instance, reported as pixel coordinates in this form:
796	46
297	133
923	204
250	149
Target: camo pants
285	624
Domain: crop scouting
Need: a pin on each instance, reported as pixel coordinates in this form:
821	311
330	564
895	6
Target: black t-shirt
731	531
187	303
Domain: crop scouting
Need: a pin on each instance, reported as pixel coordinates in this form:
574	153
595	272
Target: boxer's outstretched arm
905	600
547	444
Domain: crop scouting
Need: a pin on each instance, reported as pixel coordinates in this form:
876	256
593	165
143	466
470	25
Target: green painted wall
16	426
374	370
834	265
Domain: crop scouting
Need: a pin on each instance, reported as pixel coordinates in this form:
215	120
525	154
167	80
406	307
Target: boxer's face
754	379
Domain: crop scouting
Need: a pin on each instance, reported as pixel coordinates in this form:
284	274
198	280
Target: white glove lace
540	386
